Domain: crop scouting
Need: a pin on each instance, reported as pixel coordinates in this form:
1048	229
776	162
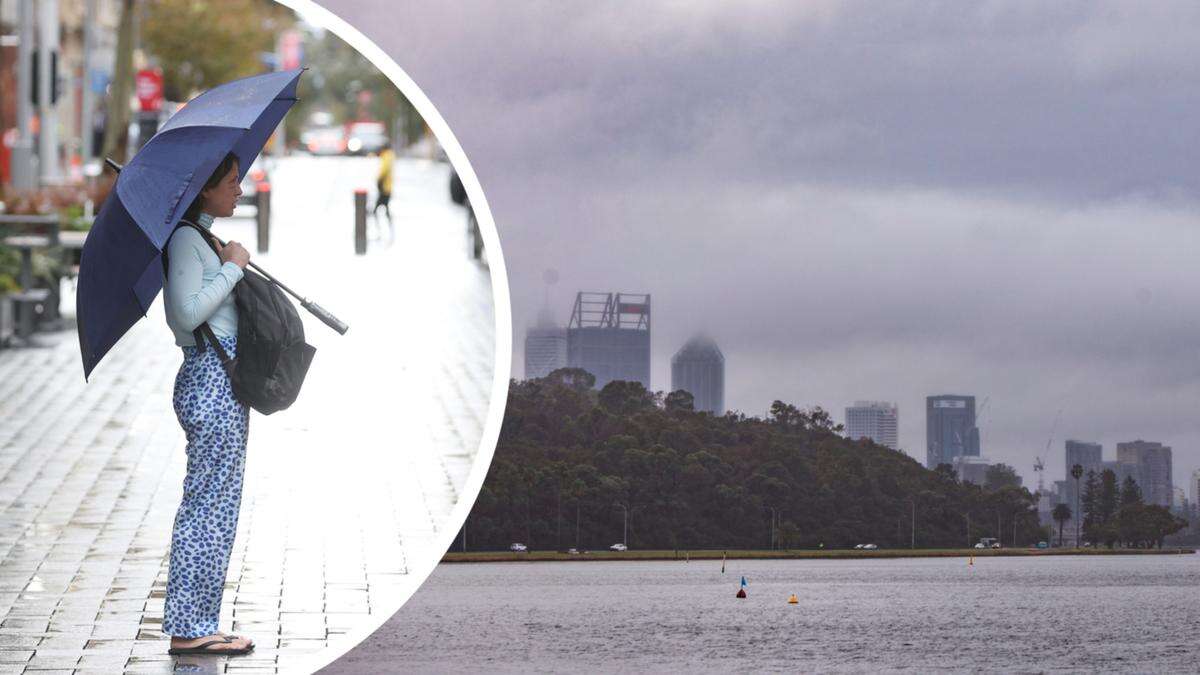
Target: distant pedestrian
383	183
198	289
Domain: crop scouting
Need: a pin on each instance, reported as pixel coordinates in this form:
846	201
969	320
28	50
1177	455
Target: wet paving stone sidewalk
345	493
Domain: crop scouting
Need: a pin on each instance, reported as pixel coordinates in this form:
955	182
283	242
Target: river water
1061	613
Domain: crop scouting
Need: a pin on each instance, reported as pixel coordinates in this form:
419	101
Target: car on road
329	140
618	547
518	548
364	138
869	547
858	547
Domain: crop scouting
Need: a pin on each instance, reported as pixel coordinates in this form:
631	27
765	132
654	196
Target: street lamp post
625	527
1076	473
773	514
913	540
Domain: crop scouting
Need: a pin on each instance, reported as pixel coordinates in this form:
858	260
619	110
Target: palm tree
1061	513
1076	473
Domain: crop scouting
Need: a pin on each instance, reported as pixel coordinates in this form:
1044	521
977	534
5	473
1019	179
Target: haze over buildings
609	336
950	429
545	347
876	420
699	368
1151	466
944	217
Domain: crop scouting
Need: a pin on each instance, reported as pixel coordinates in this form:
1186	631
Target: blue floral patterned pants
216	425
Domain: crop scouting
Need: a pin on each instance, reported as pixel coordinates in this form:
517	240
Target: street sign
99	81
149	86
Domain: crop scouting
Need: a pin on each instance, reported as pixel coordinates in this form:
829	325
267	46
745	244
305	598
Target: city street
346	493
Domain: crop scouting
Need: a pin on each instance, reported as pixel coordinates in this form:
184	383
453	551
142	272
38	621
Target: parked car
858	547
573	551
363	138
1042	544
869	547
324	140
618	547
518	548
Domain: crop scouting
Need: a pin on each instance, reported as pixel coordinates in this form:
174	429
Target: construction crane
1039	466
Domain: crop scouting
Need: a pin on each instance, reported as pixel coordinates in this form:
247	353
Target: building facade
1090	457
876	420
971	469
950	429
609	337
545	351
699	369
1153	466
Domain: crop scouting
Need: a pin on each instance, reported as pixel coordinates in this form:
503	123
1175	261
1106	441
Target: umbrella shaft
263	272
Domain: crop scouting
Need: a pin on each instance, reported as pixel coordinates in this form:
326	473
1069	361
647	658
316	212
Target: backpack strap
203	330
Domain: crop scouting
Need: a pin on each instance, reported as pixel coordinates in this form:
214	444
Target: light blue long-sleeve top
198	287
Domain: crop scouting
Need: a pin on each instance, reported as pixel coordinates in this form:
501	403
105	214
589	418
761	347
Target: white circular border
317	15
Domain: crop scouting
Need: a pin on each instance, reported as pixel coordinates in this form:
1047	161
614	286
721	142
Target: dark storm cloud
858	200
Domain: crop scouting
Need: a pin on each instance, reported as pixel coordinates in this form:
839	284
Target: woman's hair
193	211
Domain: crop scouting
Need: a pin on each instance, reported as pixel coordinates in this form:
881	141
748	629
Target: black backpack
272	357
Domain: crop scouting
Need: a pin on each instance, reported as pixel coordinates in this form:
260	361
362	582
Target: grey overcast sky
856	199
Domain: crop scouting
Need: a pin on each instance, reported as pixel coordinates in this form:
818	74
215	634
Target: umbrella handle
324	315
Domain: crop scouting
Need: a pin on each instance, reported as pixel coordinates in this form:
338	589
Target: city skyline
977	448
969	205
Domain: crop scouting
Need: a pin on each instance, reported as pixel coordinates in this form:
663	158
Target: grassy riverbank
508	556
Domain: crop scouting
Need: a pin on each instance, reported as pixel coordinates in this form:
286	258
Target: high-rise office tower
876	420
1089	456
545	347
1153	462
950	429
699	369
609	337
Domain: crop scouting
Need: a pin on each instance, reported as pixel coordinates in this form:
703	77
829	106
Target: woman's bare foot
228	636
216	643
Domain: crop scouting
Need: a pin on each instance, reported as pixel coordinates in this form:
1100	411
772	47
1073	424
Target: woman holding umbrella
121	273
197	288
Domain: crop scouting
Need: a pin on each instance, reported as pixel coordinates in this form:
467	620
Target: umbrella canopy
120	271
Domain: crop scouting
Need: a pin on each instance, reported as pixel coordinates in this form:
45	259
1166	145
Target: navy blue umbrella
120	271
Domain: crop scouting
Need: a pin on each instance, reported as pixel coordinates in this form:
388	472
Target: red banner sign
149	85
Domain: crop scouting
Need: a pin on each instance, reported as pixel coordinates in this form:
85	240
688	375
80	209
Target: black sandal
203	648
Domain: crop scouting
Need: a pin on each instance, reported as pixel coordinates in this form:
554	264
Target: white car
858	547
980	545
869	547
618	547
518	548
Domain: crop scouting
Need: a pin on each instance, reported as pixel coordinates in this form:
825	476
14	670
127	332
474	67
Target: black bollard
360	221
262	205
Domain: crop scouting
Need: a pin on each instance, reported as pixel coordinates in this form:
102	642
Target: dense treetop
572	461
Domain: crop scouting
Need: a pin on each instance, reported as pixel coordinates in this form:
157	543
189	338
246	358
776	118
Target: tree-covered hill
572	461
